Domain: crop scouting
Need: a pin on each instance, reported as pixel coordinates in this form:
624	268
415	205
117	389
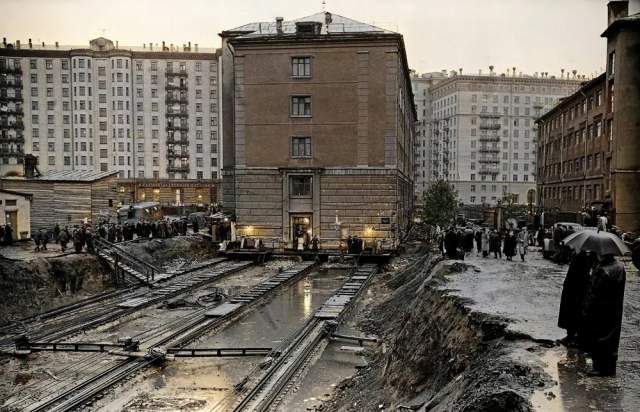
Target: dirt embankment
438	355
29	287
172	251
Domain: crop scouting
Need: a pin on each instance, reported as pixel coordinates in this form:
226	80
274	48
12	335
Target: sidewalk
528	295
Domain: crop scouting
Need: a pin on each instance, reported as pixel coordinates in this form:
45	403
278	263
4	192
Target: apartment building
589	153
421	85
484	132
150	113
319	121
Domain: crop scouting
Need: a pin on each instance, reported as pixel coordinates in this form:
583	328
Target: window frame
292	178
292	59
305	145
292	105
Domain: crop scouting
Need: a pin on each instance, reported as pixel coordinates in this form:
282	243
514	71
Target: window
612	63
301	66
301	106
301	147
300	186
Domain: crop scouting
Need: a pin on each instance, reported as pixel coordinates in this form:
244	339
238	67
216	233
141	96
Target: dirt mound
31	287
172	251
439	355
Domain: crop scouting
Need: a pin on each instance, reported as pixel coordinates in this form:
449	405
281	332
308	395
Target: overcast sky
532	35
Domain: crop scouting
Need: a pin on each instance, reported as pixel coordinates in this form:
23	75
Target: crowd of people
158	229
457	242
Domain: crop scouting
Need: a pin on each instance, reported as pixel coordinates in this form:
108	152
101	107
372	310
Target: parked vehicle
550	248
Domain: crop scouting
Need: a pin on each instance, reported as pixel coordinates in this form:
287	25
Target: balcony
489	150
488	171
10	70
177	113
181	86
12	139
490	126
4	153
489	115
178	141
176	73
489	138
177	128
170	99
488	160
6	98
10	83
174	154
177	168
17	111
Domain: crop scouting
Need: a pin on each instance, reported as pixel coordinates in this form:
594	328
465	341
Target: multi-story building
422	85
484	132
150	113
319	122
589	152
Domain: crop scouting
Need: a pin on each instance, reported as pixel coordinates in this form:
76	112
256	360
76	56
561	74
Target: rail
217	352
123	260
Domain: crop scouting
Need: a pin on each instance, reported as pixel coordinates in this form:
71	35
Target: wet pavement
528	295
207	381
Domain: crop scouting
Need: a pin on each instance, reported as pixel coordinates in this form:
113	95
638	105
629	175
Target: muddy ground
174	252
479	335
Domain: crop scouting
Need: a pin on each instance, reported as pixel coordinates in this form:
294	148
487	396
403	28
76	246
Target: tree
440	201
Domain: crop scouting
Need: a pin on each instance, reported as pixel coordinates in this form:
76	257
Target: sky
531	35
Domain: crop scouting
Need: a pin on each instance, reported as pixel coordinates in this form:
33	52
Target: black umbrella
601	243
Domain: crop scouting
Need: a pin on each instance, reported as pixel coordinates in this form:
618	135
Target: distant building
15	210
149	113
484	133
589	150
66	197
319	119
422	84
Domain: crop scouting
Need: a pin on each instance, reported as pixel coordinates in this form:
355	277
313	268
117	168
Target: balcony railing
177	168
174	140
490	126
10	83
489	150
488	171
489	115
488	160
172	72
11	152
489	139
11	70
12	139
182	86
170	99
177	127
177	154
7	98
178	113
16	112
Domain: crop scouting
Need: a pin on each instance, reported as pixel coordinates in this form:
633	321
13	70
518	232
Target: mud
30	287
172	252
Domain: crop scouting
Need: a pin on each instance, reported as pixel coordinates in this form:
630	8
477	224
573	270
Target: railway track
265	389
178	333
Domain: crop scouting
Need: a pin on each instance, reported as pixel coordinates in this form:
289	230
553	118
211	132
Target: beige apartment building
318	120
484	131
150	113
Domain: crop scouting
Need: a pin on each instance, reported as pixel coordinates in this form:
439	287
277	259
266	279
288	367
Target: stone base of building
373	204
168	191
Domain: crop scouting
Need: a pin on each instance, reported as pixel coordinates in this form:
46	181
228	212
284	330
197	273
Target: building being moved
15	211
66	198
318	119
589	144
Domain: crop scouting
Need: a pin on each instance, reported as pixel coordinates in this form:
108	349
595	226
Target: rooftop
331	24
68	176
104	44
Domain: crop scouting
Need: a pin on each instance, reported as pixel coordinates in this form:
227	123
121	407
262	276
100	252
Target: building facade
484	132
150	113
589	151
15	211
422	84
319	130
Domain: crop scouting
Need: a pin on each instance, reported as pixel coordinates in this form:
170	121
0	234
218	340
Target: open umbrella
600	243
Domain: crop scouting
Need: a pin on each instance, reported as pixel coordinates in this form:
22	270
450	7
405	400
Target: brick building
589	146
318	120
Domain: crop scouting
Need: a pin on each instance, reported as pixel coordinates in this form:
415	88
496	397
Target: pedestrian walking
36	240
64	238
478	238
572	299
485	239
495	244
510	244
451	244
522	242
56	233
44	239
603	315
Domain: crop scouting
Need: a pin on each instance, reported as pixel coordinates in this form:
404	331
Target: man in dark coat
36	239
495	244
603	315
56	232
468	240
64	238
8	234
510	243
573	293
478	236
451	244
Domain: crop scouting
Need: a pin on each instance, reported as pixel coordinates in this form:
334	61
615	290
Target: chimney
513	72
279	24
30	44
151	46
4	42
195	46
57	45
189	46
163	46
617	10
116	44
460	70
491	70
17	44
562	73
479	72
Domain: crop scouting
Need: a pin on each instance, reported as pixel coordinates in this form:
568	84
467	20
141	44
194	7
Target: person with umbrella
604	298
574	290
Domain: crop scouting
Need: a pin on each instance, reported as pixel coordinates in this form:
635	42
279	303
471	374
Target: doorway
301	231
12	219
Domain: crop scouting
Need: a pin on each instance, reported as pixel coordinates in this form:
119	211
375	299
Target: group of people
591	308
455	243
161	229
6	234
80	235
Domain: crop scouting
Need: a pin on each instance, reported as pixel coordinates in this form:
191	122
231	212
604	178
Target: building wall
23	208
484	132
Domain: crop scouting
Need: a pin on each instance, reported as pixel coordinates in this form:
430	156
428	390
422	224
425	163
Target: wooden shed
68	197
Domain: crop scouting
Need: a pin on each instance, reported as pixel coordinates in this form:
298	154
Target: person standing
523	242
495	243
603	308
451	244
572	298
478	238
485	243
36	240
44	238
603	222
64	238
8	235
56	233
510	245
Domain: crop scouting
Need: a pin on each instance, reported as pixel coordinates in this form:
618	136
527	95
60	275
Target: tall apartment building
319	130
421	85
589	151
150	113
484	132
